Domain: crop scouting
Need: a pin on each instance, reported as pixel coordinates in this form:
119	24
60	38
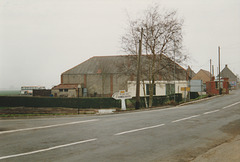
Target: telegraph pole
174	71
210	84
219	70
210	69
213	70
137	106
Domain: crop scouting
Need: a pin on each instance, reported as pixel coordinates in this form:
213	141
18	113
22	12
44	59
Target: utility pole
219	70
137	106
174	71
210	84
210	69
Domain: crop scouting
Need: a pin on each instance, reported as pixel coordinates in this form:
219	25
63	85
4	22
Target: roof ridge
110	56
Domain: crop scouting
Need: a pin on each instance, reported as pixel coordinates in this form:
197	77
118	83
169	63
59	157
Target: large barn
101	76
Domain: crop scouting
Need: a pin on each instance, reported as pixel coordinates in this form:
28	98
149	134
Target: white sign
196	86
122	95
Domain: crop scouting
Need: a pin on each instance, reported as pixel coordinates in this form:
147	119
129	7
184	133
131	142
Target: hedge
159	100
17	101
9	101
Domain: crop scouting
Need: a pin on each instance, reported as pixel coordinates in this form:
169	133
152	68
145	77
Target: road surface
175	134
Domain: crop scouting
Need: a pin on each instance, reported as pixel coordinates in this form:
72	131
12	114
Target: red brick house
212	87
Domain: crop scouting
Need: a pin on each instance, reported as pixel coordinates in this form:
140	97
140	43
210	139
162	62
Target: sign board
196	85
185	89
122	95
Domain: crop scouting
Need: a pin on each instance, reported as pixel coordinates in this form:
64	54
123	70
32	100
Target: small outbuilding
212	87
66	90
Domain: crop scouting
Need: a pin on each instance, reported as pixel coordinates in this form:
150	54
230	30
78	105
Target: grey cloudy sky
40	39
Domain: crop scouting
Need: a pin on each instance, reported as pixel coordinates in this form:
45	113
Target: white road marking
209	112
194	116
140	129
48	126
231	105
47	149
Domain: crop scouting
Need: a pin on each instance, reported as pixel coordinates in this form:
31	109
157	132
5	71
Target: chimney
226	66
213	78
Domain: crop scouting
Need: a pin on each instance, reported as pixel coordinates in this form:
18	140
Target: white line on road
48	126
194	116
47	149
140	129
210	112
231	105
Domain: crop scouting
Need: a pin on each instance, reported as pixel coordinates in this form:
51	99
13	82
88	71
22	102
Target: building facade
232	78
161	88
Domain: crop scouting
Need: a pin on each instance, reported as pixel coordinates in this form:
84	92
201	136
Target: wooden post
137	106
219	69
210	69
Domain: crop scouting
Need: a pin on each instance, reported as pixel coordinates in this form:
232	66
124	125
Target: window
170	89
60	90
65	90
216	85
148	89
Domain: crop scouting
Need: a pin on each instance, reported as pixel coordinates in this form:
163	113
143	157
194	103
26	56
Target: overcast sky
40	39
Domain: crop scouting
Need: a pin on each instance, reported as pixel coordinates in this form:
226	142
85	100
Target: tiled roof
202	75
97	64
112	64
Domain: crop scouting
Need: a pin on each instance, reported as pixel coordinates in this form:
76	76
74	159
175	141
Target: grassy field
9	92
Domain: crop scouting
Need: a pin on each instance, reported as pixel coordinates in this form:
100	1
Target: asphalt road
174	134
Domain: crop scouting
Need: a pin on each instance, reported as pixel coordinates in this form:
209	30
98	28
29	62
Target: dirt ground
226	152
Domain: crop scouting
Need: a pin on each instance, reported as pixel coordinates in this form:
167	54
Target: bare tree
162	34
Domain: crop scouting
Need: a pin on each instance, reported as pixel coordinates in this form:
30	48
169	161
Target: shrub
157	100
